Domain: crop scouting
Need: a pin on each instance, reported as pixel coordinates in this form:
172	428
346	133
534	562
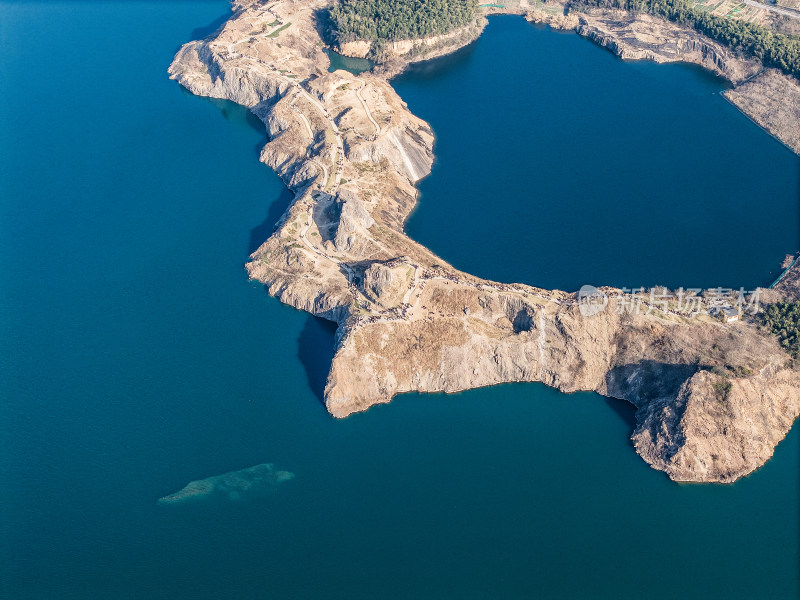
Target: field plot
506	5
733	9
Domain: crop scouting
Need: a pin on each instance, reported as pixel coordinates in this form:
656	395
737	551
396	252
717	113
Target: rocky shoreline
713	400
768	97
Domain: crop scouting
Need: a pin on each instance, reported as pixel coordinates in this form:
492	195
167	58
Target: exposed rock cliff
718	429
354	221
422	49
772	100
712	399
769	97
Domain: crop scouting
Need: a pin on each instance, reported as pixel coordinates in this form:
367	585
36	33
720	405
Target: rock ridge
712	399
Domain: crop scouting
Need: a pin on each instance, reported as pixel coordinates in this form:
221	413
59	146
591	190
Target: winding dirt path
366	109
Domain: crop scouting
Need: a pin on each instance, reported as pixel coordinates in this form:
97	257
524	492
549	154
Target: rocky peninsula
713	399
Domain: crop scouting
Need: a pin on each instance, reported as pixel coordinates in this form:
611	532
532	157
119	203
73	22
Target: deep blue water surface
135	356
596	171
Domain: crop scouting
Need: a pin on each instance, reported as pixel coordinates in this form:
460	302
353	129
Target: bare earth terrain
713	398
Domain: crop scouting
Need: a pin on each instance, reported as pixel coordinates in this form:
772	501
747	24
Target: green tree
393	20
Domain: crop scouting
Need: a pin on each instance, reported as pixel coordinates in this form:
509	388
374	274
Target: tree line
783	320
772	48
394	20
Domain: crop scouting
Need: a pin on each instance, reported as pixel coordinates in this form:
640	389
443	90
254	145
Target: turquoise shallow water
136	357
348	63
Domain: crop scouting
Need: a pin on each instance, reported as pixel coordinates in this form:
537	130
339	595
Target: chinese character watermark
591	300
688	303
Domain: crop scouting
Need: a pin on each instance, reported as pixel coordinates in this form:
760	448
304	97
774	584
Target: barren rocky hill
713	398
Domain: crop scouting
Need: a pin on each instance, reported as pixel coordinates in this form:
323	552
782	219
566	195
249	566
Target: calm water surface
348	63
137	357
560	165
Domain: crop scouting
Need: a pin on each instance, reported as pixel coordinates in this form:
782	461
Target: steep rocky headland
713	399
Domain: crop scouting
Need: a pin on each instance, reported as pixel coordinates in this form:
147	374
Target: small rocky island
713	398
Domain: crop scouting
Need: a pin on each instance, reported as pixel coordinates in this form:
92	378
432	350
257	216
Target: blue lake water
595	170
136	357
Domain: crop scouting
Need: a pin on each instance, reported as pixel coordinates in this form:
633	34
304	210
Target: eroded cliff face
772	100
712	399
716	429
644	37
767	96
422	49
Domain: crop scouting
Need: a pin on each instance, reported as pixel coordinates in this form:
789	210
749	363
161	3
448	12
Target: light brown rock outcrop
712	399
768	97
772	100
